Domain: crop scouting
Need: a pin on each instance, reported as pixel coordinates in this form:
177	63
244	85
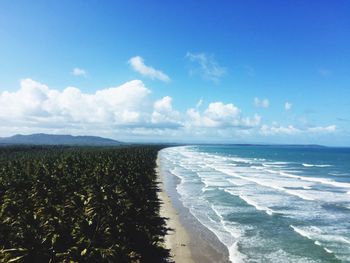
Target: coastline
188	241
177	239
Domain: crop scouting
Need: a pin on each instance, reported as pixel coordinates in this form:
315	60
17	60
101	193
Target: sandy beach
177	239
188	241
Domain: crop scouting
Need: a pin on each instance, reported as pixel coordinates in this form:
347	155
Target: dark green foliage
64	204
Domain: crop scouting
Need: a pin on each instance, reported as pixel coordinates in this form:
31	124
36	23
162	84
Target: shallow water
268	203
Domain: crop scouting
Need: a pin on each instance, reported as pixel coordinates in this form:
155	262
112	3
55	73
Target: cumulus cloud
220	115
35	104
79	72
206	66
163	113
261	103
288	106
128	110
138	64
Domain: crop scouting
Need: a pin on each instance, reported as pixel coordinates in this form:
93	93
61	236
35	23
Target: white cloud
220	115
261	103
79	72
323	129
272	130
220	111
137	63
288	106
163	113
276	129
35	104
206	67
251	122
127	111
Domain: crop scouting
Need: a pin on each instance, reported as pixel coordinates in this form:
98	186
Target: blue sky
186	71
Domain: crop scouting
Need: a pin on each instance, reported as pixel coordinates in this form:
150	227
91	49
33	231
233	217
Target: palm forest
80	204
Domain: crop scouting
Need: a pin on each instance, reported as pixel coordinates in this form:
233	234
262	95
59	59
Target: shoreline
177	239
189	241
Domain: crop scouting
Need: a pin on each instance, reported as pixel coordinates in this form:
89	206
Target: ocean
268	203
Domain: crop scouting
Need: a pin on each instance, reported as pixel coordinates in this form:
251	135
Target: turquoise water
268	203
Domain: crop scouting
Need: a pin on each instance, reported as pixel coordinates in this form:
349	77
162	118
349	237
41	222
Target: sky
177	71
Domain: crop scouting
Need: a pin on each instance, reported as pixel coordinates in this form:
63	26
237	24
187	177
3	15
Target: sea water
268	203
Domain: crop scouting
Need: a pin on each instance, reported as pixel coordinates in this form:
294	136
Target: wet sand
189	241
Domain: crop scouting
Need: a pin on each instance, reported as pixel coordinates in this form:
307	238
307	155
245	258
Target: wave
257	206
226	234
328	250
234	254
265	184
339	174
272	165
316	165
313	179
315	234
307	187
304	233
324	248
311	236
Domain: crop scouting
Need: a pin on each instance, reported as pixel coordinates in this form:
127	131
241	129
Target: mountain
50	139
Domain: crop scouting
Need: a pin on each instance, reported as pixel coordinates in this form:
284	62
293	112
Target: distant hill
50	139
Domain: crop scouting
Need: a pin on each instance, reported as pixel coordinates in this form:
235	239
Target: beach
177	239
188	240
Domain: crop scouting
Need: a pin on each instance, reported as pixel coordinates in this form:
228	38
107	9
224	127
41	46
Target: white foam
345	240
257	206
313	179
324	248
339	174
257	167
317	235
265	184
316	165
227	234
328	250
307	187
317	243
302	232
261	185
234	232
300	195
234	254
272	165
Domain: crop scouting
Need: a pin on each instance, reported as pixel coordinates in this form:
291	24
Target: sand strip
177	240
190	241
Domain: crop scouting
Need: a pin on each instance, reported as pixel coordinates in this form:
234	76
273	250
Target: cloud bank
36	104
127	111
